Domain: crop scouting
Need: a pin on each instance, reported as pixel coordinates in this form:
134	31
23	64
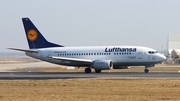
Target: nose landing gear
146	70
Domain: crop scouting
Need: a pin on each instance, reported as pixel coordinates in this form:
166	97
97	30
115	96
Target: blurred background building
174	48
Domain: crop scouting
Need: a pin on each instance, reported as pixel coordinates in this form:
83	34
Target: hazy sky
91	22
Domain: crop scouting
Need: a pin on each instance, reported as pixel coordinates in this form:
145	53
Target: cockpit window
152	52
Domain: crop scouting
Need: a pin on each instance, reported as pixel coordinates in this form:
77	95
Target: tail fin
34	37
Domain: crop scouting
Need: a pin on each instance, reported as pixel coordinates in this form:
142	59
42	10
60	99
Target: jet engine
102	64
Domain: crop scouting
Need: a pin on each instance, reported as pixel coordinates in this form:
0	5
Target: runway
10	72
81	75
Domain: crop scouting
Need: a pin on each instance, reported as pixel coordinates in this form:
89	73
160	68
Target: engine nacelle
122	67
102	64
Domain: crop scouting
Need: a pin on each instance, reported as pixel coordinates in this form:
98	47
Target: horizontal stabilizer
24	50
72	59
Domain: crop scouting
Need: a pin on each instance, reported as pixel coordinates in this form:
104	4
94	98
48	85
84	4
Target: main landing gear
98	71
88	70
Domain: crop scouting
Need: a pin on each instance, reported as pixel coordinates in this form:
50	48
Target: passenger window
94	53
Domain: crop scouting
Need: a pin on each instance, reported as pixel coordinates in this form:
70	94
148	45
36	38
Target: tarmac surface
81	75
24	71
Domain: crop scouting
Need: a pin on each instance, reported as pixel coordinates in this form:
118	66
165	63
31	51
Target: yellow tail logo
32	35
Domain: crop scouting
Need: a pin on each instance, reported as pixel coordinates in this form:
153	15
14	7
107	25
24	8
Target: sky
91	22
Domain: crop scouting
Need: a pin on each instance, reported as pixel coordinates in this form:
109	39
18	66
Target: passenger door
140	54
49	54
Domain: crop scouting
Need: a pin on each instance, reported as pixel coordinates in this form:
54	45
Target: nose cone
162	57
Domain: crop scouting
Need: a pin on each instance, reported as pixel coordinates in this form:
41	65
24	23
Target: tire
146	70
88	70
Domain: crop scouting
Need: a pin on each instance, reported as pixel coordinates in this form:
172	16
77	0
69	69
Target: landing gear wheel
98	71
88	70
146	70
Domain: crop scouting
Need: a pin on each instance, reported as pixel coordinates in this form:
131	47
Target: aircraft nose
162	57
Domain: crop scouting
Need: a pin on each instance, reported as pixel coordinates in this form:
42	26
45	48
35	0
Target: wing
72	59
24	50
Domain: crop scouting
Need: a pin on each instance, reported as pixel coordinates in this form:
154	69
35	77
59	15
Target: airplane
97	57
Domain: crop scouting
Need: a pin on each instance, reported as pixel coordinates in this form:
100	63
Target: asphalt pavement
81	75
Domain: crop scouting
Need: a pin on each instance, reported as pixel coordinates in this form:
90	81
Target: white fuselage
119	55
